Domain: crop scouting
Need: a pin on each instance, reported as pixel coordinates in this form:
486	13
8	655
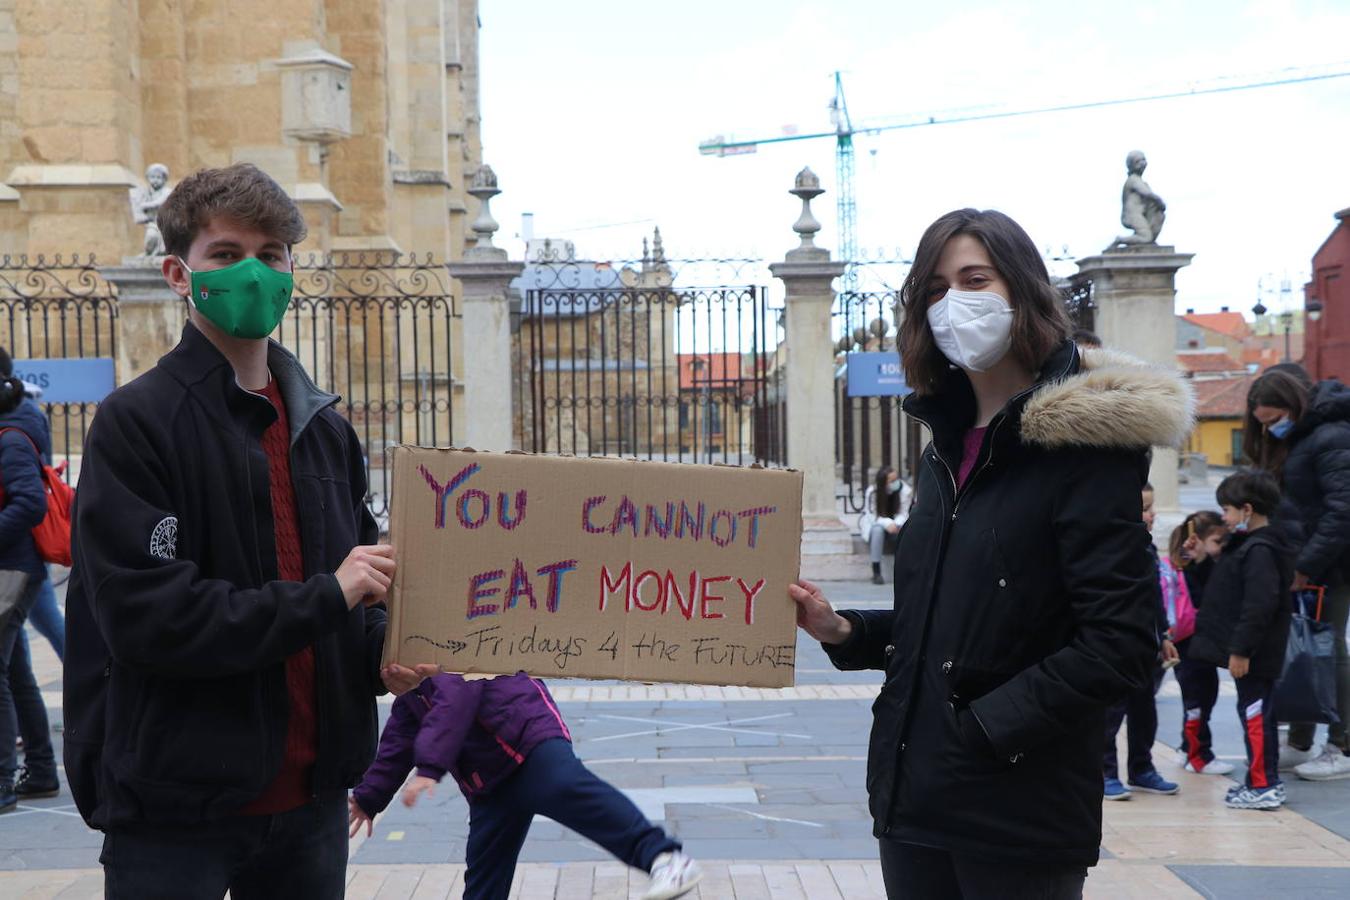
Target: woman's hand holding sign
816	616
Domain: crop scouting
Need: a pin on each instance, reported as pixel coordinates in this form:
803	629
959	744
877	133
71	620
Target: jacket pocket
202	735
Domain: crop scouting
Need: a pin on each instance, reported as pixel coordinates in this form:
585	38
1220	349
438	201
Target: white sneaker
1213	767
1331	765
1291	757
673	875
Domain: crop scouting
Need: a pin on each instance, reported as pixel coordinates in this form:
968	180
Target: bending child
509	750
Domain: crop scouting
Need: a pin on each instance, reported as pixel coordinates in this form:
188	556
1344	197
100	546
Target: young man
225	614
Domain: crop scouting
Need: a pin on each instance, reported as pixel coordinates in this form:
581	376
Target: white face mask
973	329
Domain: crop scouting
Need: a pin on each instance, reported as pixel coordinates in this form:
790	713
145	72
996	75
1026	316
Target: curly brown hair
1039	321
242	192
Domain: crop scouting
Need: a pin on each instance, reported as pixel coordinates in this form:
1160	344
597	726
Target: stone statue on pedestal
1141	210
145	203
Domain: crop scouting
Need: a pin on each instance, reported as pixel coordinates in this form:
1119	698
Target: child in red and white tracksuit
1243	625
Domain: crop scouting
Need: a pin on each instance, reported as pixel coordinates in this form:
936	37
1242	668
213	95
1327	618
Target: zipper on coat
923	645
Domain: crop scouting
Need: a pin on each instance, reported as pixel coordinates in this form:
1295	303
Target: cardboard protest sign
594	568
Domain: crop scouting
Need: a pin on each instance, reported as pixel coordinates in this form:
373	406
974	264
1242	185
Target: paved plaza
766	788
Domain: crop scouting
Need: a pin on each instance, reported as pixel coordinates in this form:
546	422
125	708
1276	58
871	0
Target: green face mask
245	300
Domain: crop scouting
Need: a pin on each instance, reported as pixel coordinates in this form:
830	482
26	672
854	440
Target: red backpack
52	534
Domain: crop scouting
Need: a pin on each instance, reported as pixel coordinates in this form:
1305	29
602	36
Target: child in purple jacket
509	750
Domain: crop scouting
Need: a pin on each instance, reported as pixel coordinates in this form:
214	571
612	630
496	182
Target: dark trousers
1260	731
552	782
923	873
1141	711
1199	692
20	700
301	853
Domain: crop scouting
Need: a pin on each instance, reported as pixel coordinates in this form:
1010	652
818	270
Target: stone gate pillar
150	316
807	273
485	277
1134	291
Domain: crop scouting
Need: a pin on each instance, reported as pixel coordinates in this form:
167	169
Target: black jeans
923	873
1199	692
20	700
1140	710
552	782
301	853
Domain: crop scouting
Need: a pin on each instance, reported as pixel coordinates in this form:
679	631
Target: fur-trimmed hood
1114	401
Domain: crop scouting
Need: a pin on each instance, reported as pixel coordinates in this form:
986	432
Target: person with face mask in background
887	505
225	617
1300	433
1025	593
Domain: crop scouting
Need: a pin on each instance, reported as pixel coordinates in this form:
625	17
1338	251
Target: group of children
1224	603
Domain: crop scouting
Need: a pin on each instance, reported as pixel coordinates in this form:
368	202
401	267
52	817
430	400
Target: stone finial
484	188
807	187
658	249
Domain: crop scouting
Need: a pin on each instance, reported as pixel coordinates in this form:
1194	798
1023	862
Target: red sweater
290	788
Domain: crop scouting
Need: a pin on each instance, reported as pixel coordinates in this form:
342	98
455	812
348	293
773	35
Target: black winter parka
1246	608
1024	607
1316	480
177	627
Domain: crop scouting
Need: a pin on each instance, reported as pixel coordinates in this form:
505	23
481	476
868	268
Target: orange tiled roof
1222	398
1208	361
1229	323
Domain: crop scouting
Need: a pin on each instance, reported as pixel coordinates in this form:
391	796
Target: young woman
887	509
1300	433
1025	592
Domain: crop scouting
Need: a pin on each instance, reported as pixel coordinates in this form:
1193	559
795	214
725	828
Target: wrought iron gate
58	309
378	329
870	432
620	361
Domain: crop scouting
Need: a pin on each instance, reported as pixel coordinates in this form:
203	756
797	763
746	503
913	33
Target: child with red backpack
22	573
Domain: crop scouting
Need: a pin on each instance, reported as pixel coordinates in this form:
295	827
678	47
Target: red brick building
1327	301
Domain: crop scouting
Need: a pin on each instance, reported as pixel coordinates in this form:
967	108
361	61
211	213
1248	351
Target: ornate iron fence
1078	302
58	309
378	329
870	432
625	359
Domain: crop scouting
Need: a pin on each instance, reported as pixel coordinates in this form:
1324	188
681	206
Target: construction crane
845	204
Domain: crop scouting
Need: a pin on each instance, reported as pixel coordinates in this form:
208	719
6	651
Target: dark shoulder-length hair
1281	390
884	502
1039	321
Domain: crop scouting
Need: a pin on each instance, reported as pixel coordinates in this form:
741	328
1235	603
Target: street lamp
1314	309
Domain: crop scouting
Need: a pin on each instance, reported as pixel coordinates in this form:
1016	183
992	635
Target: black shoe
8	799
877	579
29	788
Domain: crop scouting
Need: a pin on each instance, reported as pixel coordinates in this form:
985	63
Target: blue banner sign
68	380
876	374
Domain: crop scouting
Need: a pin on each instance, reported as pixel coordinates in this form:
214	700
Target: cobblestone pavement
766	788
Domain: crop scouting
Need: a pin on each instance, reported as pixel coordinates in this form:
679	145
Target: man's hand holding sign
593	568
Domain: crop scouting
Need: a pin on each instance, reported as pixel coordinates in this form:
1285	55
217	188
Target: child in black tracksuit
1243	624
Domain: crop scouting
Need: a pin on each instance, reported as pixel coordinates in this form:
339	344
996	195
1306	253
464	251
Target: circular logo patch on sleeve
164	539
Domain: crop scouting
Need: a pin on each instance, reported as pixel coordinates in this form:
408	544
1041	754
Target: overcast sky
593	111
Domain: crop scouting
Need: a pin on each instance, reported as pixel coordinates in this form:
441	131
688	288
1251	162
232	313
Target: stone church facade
366	111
